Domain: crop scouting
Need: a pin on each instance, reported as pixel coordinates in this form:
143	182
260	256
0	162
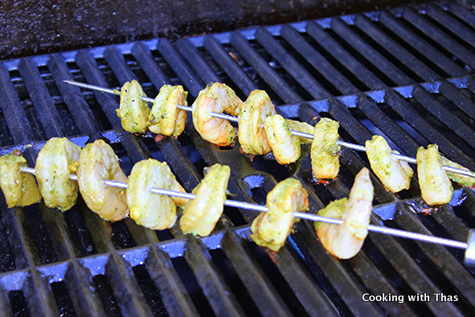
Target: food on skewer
252	134
216	98
301	127
19	188
56	160
147	209
270	229
165	117
97	163
133	111
325	152
285	146
394	174
461	179
201	214
345	241
436	188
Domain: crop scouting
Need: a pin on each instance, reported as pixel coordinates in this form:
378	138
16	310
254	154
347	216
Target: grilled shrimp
389	170
97	163
202	213
151	210
461	179
325	152
436	188
216	98
270	229
19	188
345	241
165	118
133	111
300	126
252	134
285	145
55	162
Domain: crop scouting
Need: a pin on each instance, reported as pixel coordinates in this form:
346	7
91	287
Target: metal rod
301	215
294	132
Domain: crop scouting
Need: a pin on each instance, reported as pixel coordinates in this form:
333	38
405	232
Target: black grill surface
407	74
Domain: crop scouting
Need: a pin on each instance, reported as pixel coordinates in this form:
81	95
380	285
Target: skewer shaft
301	215
294	132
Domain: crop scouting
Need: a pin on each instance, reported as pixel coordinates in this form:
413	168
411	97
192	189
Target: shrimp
461	179
252	134
19	188
55	162
301	127
345	241
436	188
325	152
285	145
389	170
97	163
165	118
270	229
202	213
151	210
133	111
216	98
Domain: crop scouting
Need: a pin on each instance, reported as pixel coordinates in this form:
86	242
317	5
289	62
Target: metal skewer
301	215
294	132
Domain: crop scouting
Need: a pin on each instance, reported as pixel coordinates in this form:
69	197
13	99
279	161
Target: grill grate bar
230	67
460	12
379	61
457	98
145	60
14	113
291	65
283	89
424	48
397	51
43	103
319	62
339	53
189	51
445	41
78	107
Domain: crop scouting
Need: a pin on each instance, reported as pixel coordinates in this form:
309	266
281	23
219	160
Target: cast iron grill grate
407	74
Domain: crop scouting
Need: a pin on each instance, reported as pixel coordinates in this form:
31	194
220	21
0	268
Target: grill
406	73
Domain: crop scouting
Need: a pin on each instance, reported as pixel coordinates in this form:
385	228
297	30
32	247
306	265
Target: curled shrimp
436	188
133	111
216	98
252	134
148	209
270	229
345	241
285	146
165	117
56	160
97	163
19	188
325	152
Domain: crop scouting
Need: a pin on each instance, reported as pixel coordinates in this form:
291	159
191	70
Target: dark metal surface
406	74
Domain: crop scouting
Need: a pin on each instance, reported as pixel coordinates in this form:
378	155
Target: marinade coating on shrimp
345	241
461	179
252	134
148	209
301	127
325	152
436	188
55	162
97	163
285	146
389	169
216	98
19	188
133	111
270	229
165	117
201	214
